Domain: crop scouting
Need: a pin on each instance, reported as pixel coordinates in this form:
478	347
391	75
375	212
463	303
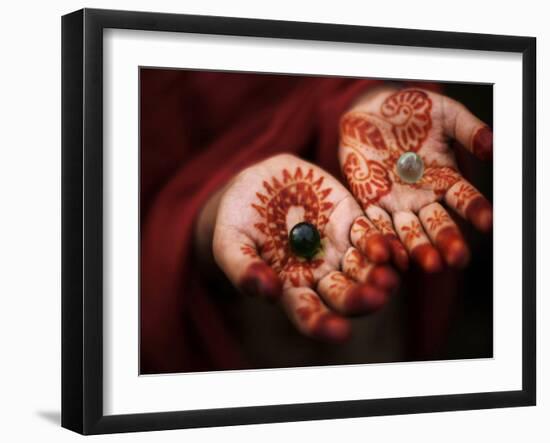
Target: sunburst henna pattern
368	179
409	113
307	194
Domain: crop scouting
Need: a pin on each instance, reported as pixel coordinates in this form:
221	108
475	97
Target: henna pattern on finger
312	305
369	240
350	298
438	219
363	228
356	265
439	178
412	232
305	193
383	225
248	251
338	287
316	320
464	193
409	112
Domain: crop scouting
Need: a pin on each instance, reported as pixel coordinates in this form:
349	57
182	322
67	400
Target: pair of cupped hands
378	223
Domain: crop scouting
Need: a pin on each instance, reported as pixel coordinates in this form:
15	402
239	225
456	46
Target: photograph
292	220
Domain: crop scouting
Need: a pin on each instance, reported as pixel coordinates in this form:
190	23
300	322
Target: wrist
204	227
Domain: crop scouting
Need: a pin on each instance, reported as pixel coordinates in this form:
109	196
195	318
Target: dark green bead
304	240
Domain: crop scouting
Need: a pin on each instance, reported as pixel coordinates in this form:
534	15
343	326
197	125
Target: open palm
376	132
251	245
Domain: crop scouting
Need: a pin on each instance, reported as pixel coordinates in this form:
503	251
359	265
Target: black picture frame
82	220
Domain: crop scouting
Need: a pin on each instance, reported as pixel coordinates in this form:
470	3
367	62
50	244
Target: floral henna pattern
412	232
383	225
305	193
409	113
464	193
437	219
356	265
439	178
368	179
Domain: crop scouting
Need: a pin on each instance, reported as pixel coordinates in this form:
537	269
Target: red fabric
197	131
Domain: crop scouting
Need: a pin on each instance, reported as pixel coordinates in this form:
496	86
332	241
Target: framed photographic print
269	221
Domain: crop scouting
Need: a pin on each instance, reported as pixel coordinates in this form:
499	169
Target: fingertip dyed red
377	249
384	277
399	253
452	245
364	299
480	213
332	329
483	143
261	281
428	258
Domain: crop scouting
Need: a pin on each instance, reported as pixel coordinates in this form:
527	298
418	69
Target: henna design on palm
373	136
305	193
251	245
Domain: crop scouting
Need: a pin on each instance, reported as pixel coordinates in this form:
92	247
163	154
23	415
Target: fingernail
480	213
364	299
384	277
428	258
332	329
376	249
483	143
399	254
453	247
260	280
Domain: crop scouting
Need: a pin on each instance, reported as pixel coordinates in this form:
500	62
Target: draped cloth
197	130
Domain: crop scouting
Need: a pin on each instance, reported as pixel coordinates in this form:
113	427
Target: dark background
471	333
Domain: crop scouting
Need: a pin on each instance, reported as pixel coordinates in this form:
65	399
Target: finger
460	124
356	266
312	318
445	234
416	241
238	258
347	297
383	223
470	204
369	240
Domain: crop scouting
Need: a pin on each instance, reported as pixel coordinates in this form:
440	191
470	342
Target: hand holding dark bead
287	230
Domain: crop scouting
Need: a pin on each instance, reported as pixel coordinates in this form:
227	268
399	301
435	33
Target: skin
249	221
376	131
